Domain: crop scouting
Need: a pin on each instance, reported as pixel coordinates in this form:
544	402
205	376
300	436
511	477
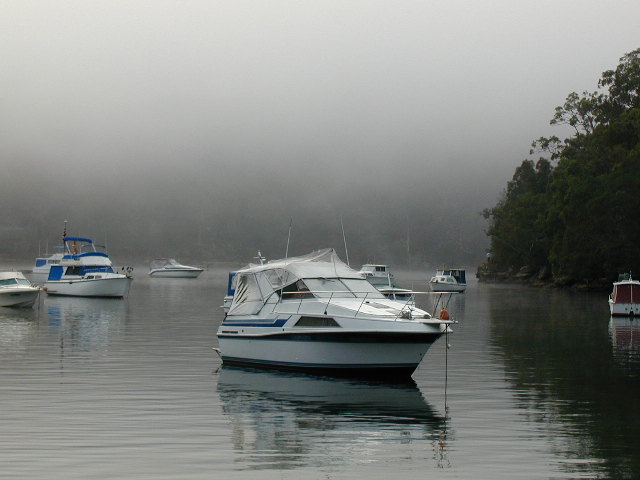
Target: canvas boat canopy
257	282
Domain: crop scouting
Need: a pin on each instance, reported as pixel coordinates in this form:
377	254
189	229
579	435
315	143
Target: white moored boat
380	276
315	313
168	267
85	272
16	290
449	280
625	297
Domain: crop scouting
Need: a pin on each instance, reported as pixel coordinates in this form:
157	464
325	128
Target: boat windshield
342	288
14	281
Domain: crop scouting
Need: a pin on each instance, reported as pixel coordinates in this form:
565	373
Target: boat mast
286	253
344	238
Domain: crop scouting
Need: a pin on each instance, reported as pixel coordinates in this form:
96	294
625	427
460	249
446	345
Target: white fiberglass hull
176	273
18	297
398	347
322	355
624	309
96	287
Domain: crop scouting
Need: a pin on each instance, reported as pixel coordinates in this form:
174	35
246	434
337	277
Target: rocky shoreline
541	278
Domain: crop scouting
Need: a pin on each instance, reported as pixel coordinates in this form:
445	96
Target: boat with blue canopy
84	271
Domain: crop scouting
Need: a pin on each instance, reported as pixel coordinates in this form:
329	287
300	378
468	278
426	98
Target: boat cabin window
296	290
380	268
73	271
316	322
342	288
8	281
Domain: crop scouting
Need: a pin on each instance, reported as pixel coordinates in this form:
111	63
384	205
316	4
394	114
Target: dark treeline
573	216
196	216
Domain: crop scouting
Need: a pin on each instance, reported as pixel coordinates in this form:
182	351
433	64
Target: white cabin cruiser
449	280
16	290
317	314
168	267
625	298
86	272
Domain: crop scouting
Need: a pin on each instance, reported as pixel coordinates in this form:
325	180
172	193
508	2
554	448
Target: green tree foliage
580	217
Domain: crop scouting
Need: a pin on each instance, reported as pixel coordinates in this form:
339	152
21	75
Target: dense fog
204	130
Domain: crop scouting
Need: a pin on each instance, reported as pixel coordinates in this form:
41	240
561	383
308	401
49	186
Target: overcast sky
399	92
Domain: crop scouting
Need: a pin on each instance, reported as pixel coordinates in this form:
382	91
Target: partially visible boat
86	272
380	276
377	274
315	313
449	280
16	290
231	290
168	267
624	300
43	264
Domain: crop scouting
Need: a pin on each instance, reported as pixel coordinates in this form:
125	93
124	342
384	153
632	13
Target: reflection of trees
559	359
286	420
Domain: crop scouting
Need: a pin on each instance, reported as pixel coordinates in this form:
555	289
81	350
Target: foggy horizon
199	130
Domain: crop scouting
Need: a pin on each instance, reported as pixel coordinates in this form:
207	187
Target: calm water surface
537	383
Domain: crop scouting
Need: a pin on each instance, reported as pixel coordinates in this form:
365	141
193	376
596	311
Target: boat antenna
260	258
344	238
286	253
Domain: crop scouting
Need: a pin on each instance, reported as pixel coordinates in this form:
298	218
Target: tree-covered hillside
573	216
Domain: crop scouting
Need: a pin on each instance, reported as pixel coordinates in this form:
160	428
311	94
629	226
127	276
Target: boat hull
445	287
101	287
175	273
619	309
355	352
23	297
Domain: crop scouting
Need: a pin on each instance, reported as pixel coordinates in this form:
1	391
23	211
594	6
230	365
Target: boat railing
312	303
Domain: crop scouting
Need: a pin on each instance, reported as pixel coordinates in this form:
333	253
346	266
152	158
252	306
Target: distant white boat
380	276
16	290
449	280
168	267
377	274
85	272
43	264
625	297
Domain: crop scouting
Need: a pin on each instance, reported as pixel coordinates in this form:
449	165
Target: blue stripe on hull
255	323
341	337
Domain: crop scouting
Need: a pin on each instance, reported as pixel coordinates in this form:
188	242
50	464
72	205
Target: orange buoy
444	315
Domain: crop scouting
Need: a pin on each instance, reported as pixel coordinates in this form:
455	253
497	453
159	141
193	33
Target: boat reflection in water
84	323
625	338
290	419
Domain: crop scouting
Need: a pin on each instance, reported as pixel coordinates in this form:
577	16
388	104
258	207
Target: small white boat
86	272
380	276
168	267
317	314
624	300
43	264
16	290
377	274
449	280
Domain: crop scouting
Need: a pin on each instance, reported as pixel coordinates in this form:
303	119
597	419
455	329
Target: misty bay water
538	383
